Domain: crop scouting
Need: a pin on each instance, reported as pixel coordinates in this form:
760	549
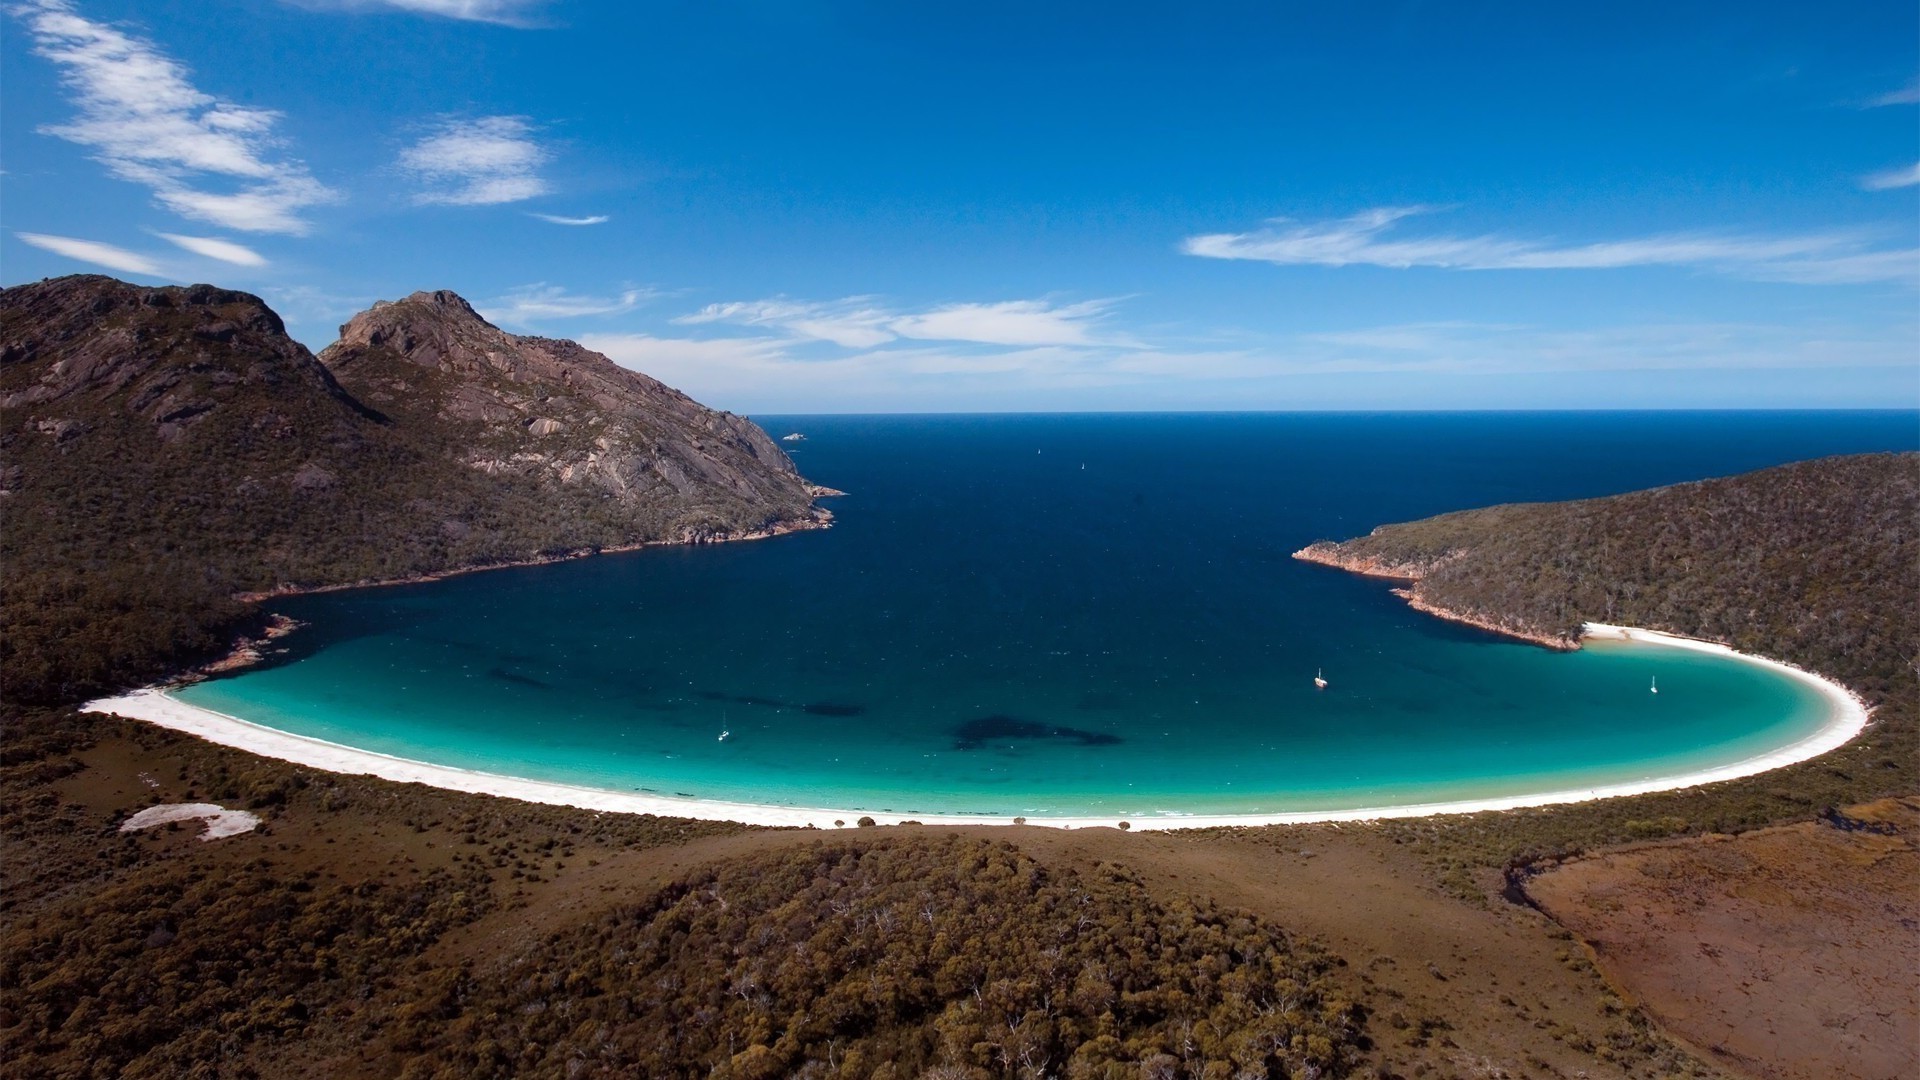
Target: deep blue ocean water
1083	614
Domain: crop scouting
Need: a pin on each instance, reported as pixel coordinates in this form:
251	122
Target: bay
1076	614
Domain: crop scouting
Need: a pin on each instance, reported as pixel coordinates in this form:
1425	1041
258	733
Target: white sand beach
1847	717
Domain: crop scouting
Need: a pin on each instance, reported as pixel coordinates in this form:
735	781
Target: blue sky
829	207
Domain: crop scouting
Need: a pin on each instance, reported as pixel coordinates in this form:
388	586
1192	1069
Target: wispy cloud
1013	322
502	12
310	303
690	361
783	373
1906	95
1822	258
215	248
479	162
93	251
856	322
541	301
203	157
1906	176
557	219
865	322
1464	348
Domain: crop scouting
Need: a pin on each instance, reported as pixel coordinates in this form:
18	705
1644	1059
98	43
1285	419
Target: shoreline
820	518
1847	717
1327	553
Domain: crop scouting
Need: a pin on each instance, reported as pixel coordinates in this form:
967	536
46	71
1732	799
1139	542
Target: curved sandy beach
1847	717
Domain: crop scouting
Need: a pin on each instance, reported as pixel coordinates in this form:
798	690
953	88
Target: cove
1065	618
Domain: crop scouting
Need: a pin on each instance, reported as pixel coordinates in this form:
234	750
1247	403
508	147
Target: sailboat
1655	688
1319	679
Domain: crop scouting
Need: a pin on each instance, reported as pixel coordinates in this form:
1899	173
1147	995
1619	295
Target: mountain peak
548	408
443	298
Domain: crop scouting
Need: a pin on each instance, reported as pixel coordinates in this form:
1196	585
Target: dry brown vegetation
379	930
376	914
889	959
1788	953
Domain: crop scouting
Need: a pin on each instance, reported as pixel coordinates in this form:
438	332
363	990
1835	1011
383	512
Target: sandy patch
221	822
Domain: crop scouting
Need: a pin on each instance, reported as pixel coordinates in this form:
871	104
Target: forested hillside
162	449
1817	562
933	957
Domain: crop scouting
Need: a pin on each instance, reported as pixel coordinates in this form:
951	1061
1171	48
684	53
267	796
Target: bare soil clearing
1788	953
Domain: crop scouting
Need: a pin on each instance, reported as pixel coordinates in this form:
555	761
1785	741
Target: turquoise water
1060	615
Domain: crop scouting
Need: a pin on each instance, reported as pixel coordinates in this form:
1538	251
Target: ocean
1061	615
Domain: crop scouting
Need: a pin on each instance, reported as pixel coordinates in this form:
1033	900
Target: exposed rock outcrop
1411	571
540	406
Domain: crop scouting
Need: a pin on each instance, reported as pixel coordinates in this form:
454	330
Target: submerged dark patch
828	708
514	677
983	730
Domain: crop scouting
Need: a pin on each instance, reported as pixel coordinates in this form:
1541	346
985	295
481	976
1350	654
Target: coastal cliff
165	450
1817	562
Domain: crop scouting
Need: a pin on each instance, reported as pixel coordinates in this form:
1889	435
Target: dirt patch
1785	953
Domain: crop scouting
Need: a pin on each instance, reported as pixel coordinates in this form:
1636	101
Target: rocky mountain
545	408
162	449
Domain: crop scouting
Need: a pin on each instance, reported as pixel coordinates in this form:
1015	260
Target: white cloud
540	301
863	322
855	322
481	162
1807	258
557	219
1906	95
93	251
215	248
310	303
704	363
1012	322
787	374
1906	176
143	120
502	12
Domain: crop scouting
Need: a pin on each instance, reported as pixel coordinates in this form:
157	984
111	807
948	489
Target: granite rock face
543	407
185	420
173	356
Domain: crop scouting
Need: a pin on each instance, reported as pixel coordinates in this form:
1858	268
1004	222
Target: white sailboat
1655	688
1319	679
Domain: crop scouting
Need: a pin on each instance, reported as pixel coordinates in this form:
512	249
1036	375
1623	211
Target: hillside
1817	562
542	408
436	933
167	448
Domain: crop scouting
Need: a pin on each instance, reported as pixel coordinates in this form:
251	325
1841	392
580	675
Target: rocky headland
1411	572
1815	562
168	454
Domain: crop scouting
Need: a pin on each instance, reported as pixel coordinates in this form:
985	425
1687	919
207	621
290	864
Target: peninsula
171	450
